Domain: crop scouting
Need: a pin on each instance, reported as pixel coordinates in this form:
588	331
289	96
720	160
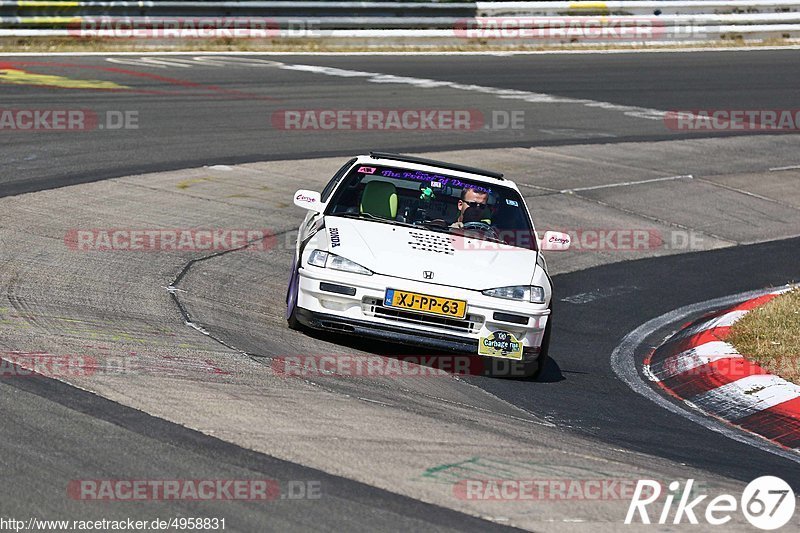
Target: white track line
624	364
505	94
627	183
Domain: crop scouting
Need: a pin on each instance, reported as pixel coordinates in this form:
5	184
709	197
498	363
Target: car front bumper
387	332
360	312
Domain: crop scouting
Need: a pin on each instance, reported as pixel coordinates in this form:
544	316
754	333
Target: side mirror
308	200
555	241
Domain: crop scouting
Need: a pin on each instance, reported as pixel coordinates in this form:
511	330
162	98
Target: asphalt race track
222	113
204	149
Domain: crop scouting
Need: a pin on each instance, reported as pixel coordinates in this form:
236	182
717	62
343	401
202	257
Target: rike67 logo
767	503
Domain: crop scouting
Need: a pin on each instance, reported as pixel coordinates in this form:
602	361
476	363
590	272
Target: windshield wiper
493	239
364	215
353	215
370	217
430	225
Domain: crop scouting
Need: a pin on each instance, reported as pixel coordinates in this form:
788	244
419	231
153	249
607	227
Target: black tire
529	371
292	321
545	349
291	300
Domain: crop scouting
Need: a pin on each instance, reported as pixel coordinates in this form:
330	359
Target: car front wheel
291	298
545	349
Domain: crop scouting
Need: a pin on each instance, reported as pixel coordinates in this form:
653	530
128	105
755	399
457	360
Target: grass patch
770	336
185	184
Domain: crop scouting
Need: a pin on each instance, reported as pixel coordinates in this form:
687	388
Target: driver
472	207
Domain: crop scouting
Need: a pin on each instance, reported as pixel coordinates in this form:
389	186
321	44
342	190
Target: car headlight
318	258
525	293
322	259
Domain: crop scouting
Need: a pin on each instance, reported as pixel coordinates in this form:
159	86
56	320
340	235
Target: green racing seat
379	199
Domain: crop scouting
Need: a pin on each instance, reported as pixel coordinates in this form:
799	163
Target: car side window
326	192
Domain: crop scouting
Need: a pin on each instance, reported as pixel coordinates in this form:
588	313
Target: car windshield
435	201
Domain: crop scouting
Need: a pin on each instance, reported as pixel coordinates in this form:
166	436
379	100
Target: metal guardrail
547	21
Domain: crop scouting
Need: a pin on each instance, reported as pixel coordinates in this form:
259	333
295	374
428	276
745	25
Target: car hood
409	253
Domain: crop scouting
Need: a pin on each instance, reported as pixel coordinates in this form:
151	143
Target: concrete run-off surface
410	435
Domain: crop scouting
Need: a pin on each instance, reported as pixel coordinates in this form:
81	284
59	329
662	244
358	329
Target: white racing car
427	253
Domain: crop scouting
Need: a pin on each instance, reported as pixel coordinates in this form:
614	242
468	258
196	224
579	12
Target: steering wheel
477	225
487	229
434	222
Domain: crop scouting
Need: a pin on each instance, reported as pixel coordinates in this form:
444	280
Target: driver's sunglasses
474	204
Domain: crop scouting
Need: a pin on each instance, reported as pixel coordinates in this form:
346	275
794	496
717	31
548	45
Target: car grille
374	307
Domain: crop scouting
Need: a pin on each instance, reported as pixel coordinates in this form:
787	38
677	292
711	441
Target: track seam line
172	288
656	219
626	183
551	151
748	193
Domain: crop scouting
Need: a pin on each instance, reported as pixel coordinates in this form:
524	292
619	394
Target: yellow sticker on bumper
500	344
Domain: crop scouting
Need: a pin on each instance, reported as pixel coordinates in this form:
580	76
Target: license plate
434	305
